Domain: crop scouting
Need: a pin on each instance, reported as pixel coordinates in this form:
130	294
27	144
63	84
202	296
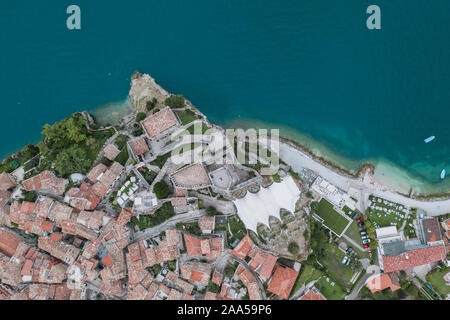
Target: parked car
363	233
348	261
349	250
360	219
355	215
366	241
366	245
344	260
365	237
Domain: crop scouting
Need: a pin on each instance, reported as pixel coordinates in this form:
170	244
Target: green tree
293	247
66	132
211	211
140	116
71	160
161	189
30	151
175	101
151	104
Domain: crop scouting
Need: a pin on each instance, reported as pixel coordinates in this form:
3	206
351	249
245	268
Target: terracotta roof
413	258
431	229
210	295
8	242
210	247
282	281
111	151
159	122
384	281
172	237
267	267
96	171
206	223
46	180
193	176
139	146
217	278
249	281
7	181
125	216
243	247
446	224
177	202
197	272
312	294
180	192
193	245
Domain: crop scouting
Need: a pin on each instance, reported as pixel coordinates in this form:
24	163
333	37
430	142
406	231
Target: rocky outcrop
143	89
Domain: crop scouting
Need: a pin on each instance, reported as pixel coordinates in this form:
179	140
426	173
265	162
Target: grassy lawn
347	210
384	213
307	274
436	281
332	219
161	160
186	116
353	232
237	228
123	156
332	262
330	289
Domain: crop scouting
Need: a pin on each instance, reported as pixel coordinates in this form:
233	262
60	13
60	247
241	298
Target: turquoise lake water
311	66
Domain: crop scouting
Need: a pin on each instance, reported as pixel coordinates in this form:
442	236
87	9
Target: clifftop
144	89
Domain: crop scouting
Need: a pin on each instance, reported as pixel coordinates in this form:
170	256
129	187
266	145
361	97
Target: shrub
161	189
140	116
211	211
175	101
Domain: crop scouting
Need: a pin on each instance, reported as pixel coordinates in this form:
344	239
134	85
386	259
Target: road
168	224
353	242
298	159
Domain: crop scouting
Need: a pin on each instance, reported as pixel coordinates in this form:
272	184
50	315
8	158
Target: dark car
349	250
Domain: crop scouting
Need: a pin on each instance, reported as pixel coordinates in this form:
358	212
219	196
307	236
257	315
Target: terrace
331	218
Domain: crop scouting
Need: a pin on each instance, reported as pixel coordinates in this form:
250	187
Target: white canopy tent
257	208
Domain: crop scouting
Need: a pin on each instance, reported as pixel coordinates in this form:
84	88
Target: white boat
429	139
443	174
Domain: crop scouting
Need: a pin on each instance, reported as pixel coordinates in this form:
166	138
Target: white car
365	241
344	260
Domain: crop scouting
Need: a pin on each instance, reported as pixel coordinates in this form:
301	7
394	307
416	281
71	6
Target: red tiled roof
431	229
196	276
139	146
243	247
111	151
283	281
267	267
413	258
193	245
312	295
8	242
382	282
107	260
159	122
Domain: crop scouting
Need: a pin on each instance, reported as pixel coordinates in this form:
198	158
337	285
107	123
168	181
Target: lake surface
309	67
